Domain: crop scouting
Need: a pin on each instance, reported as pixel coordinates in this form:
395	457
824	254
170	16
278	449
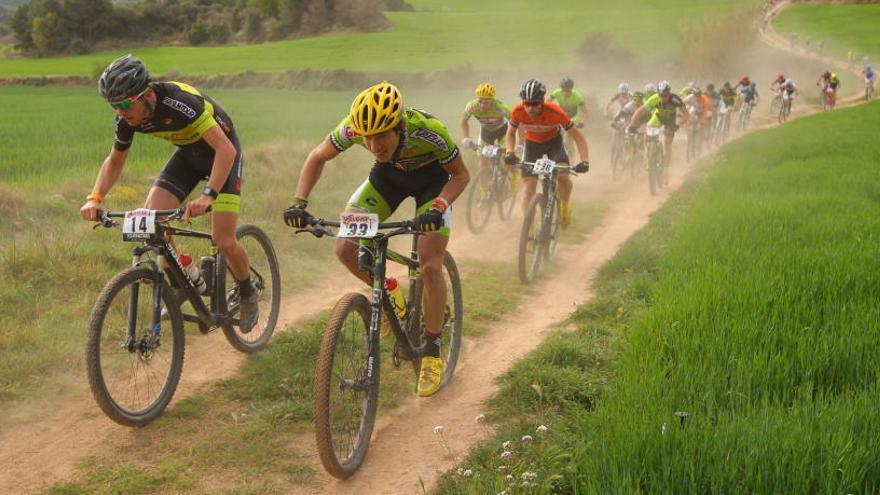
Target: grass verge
733	343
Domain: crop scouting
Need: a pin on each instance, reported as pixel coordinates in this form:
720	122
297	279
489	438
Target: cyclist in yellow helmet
493	115
414	157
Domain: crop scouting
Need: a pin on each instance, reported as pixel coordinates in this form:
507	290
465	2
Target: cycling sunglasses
128	102
533	103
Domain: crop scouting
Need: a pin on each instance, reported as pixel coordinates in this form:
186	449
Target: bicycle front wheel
530	243
133	367
345	399
266	278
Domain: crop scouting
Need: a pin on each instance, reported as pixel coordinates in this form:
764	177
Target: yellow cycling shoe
430	376
565	220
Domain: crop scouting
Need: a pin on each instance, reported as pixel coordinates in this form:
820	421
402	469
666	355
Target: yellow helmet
376	109
485	90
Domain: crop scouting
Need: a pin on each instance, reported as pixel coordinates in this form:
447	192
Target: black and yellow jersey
182	116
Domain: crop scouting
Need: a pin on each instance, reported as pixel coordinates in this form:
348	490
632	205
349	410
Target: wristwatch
207	191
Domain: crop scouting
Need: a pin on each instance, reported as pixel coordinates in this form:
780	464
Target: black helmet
532	90
125	77
710	87
566	83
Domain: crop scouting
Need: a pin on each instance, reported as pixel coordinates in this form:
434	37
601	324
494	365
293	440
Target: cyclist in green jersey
207	148
493	115
570	100
415	157
662	109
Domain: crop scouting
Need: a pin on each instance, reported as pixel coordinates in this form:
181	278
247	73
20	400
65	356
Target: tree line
49	27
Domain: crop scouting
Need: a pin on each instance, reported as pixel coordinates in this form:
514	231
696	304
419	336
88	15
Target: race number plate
543	166
490	151
358	225
652	131
139	225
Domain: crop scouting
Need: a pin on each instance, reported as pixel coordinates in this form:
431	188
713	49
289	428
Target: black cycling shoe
249	312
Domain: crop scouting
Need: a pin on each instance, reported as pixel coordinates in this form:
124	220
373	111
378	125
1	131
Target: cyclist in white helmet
622	97
661	109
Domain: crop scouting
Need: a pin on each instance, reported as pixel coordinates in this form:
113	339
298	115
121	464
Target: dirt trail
47	448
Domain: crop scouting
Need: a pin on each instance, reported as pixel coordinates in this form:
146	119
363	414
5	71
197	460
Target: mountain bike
722	125
830	100
745	113
776	103
494	185
618	153
785	110
133	363
654	159
347	372
541	224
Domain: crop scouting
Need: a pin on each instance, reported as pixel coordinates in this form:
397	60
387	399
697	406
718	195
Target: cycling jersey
869	74
834	81
494	118
728	96
182	116
546	126
424	141
665	112
570	104
748	92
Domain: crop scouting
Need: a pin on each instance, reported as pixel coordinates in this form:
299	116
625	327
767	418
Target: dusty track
45	449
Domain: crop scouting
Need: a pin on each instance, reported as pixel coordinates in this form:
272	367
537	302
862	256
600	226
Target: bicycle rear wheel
480	201
654	163
531	245
345	401
266	278
450	346
133	379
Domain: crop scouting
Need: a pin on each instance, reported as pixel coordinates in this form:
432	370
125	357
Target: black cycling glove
296	215
510	159
582	167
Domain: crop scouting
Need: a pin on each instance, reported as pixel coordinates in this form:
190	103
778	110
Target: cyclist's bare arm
465	128
582	113
458	179
224	157
636	116
110	171
510	139
581	142
313	167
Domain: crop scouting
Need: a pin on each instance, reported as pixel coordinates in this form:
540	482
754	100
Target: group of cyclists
414	156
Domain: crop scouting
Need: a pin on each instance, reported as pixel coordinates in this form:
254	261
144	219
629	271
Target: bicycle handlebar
105	218
317	228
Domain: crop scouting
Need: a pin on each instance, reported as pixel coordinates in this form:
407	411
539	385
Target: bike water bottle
398	300
206	266
193	272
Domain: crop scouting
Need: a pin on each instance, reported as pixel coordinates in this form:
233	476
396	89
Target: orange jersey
543	128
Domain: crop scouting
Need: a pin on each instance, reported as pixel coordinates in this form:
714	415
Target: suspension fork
380	248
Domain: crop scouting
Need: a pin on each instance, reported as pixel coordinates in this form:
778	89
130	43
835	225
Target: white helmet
650	88
664	87
623	88
788	82
691	85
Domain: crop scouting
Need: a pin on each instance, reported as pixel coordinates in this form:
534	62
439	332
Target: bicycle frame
379	253
208	318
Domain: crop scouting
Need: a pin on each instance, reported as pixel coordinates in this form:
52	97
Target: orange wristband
96	197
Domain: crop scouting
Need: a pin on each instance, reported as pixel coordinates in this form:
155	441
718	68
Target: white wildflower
542	429
506	454
509	477
438	429
480	418
527	439
501	469
663	429
467	473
